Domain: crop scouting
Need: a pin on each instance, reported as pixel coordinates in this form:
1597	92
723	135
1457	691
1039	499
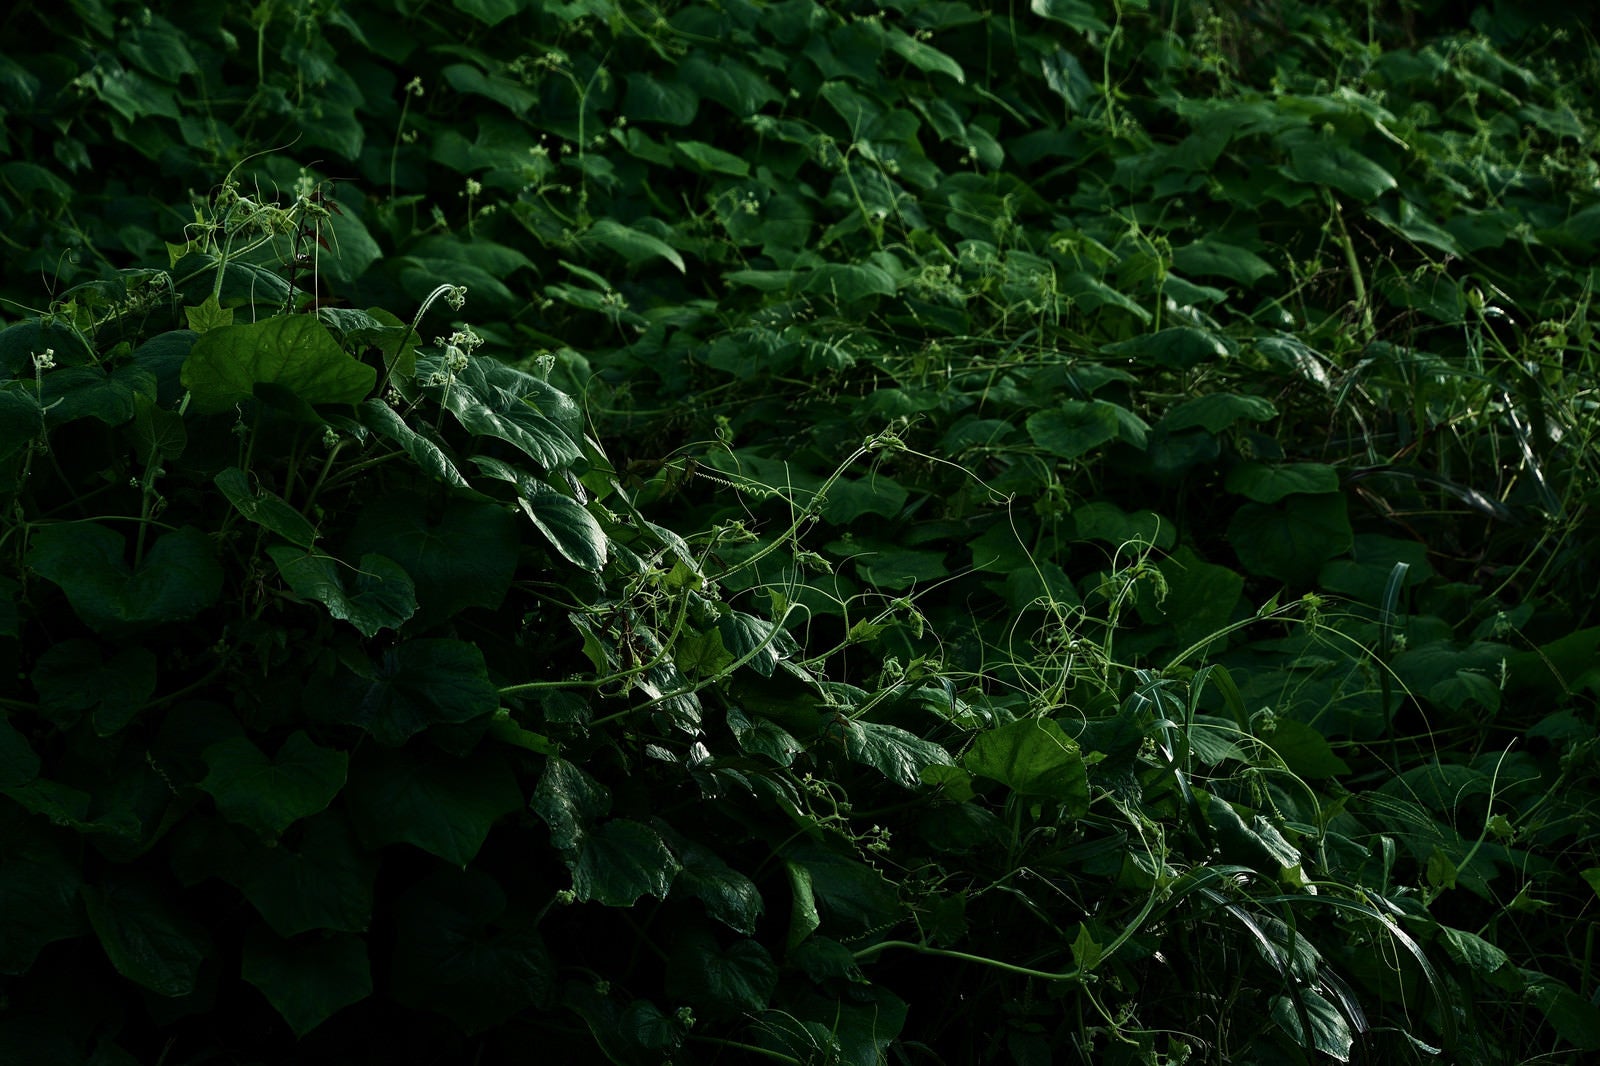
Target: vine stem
1075	974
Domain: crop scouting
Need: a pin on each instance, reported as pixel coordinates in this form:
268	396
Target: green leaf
1033	757
620	860
1330	1033
849	499
494	400
178	578
1336	164
568	800
71	679
632	244
804	918
40	879
721	983
924	57
376	595
1292	540
268	795
443	805
846	282
294	352
323	880
1266	483
1212	258
380	418
307	982
1473	951
145	937
709	160
1105	521
850	896
729	896
1174	348
651	100
1573	1017
566	523
1077	14
460	554
458	951
1074	428
1218	412
413	685
19	763
899	755
1305	751
158	434
265	509
209	315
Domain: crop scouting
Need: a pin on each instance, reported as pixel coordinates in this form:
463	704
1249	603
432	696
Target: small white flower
45	360
414	87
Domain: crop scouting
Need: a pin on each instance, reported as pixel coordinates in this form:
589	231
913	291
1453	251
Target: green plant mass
783	531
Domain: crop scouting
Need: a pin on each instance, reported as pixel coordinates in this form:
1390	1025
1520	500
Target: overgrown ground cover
797	532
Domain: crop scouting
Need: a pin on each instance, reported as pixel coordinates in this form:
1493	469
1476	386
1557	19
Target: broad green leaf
1330	1033
1212	258
1200	597
322	880
1074	428
568	800
1336	164
178	578
381	418
850	281
620	860
726	81
1256	844
567	524
1033	757
351	247
721	983
491	399
441	804
466	78
412	685
269	794
459	554
924	56
898	568
209	315
849	499
265	509
633	245
1290	541
39	884
899	755
158	434
850	896
1473	951
146	938
1218	412
1105	521
1077	14
72	678
729	896
1269	483
459	952
804	918
294	352
307	981
19	763
1305	751
709	160
650	99
1573	1017
1174	348
377	594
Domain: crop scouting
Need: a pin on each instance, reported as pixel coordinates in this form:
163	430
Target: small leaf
268	795
633	245
1074	428
1337	164
307	982
729	896
1218	412
568	800
1330	1033
209	315
709	160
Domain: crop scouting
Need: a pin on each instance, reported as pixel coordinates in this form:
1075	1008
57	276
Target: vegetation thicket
930	531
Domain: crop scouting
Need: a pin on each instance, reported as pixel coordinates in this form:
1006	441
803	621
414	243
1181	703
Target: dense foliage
801	532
